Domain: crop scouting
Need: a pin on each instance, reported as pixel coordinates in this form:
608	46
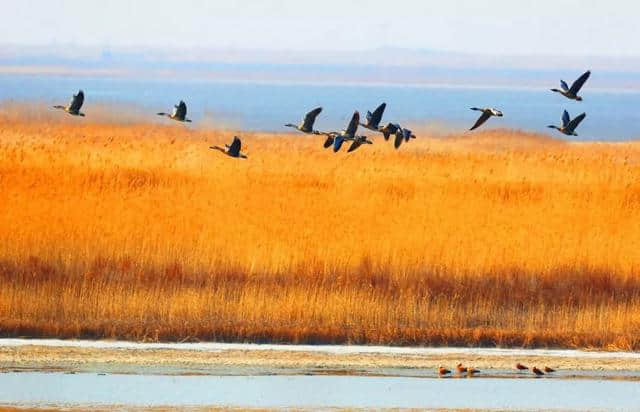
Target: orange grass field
139	231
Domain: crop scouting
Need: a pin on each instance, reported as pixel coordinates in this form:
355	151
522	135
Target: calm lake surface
611	115
58	389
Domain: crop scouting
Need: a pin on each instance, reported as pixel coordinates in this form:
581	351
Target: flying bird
568	125
373	119
307	123
233	149
402	134
337	139
179	113
572	92
357	142
389	129
486	114
331	136
74	106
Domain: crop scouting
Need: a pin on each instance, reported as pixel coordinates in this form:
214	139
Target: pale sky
497	27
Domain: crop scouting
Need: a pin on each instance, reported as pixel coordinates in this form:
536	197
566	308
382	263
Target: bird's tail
59	107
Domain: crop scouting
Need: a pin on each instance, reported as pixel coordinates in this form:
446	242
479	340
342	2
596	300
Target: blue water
39	389
611	115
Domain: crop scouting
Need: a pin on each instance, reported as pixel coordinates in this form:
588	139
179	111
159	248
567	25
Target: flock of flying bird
336	139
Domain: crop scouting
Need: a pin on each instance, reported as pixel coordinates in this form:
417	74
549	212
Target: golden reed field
139	231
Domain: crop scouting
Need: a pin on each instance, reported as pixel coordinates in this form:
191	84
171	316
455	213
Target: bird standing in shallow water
74	106
460	368
537	371
472	371
548	369
521	367
179	113
486	114
572	92
233	149
443	371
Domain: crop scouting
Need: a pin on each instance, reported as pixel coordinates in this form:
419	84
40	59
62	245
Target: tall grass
138	231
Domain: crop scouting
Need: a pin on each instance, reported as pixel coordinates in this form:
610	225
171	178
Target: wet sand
279	359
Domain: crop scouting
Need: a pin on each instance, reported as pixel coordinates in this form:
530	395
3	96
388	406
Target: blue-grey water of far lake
611	115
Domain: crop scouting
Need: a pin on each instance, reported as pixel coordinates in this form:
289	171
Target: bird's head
578	98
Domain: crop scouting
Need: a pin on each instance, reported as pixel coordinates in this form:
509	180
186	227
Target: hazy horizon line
387	56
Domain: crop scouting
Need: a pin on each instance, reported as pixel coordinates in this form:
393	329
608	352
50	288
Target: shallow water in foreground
59	389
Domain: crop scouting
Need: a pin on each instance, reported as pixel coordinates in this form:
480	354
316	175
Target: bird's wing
353	125
577	85
407	134
329	141
573	124
564	85
376	116
181	110
398	141
76	101
356	143
310	118
483	118
337	143
565	119
234	149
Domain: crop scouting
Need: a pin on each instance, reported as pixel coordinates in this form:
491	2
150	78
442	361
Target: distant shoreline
298	77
